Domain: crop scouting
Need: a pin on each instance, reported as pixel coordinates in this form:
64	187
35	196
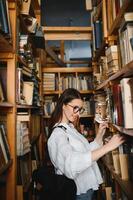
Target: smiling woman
70	152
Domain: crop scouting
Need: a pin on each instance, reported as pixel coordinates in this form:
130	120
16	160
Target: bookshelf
19	65
112	65
57	79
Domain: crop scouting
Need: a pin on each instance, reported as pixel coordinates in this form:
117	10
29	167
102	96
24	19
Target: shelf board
6	55
102	85
126	71
6	105
51	92
126	185
67	33
28	106
61	91
123	130
86	91
67	69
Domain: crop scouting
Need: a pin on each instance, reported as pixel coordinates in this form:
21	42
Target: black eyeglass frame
77	109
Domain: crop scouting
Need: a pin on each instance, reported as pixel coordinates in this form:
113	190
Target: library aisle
45	48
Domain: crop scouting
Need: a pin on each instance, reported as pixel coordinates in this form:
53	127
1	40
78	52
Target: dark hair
67	96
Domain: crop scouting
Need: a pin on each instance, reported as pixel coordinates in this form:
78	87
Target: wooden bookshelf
9	49
112	21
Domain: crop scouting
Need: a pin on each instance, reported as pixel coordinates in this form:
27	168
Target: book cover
4	17
127	100
1	93
118	108
25	8
2	159
28	88
98	33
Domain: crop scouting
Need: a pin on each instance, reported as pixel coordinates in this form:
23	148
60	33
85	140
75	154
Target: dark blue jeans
86	196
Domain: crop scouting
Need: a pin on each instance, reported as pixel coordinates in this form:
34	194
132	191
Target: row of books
117	105
108	64
52	82
125	36
112	59
23	134
122	103
117	55
27	88
26	165
26	132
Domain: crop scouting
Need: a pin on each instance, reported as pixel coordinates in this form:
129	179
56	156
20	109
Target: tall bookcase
113	72
20	71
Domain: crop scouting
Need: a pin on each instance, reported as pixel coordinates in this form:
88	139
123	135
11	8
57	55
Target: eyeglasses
77	109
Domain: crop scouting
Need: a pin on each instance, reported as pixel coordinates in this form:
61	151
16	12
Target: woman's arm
114	142
101	132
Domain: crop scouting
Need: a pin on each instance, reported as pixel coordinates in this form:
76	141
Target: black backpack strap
60	126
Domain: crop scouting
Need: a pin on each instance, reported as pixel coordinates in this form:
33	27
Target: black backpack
48	185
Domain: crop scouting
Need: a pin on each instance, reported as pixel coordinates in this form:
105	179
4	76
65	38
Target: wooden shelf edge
124	72
67	69
28	106
67	29
6	105
123	130
60	91
126	185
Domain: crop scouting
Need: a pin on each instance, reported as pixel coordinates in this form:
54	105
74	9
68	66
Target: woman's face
72	110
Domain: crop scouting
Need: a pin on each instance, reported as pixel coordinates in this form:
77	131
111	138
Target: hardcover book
118	107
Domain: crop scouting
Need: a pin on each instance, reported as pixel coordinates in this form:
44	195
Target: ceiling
64	13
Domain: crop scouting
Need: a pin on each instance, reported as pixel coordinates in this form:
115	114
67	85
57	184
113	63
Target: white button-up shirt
70	153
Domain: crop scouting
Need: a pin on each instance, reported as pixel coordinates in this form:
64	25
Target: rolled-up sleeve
65	158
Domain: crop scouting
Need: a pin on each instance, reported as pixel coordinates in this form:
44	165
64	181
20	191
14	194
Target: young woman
70	152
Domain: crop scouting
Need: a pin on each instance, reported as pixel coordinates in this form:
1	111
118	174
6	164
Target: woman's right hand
112	144
115	142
